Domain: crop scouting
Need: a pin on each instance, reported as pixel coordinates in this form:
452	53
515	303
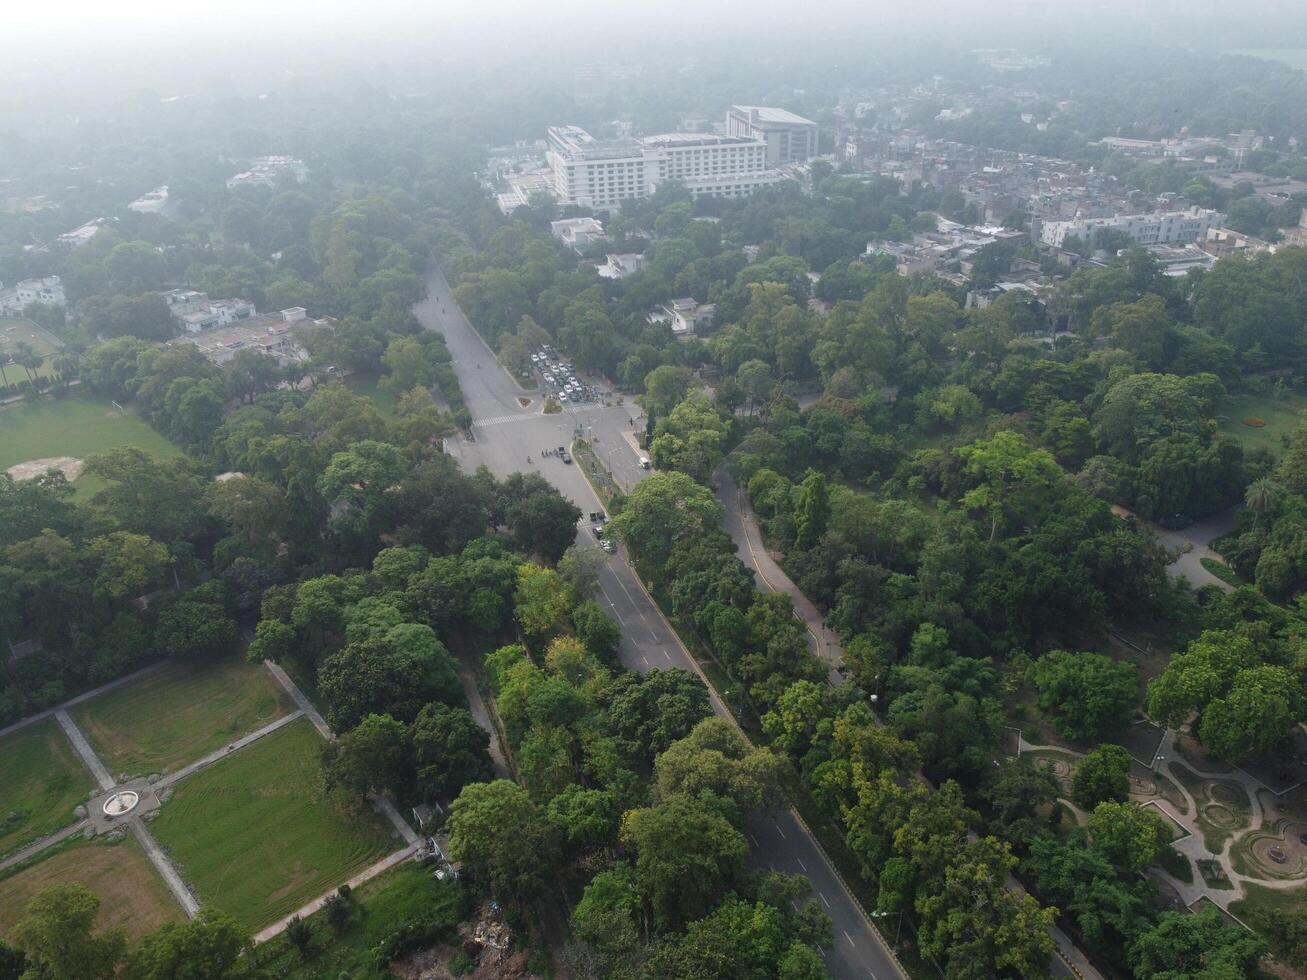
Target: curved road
505	434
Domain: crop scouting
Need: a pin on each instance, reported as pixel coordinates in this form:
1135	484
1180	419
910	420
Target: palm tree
1262	495
24	354
65	363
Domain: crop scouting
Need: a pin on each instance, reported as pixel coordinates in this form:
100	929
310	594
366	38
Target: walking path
84	696
367	874
83	748
743	529
189	903
227	750
300	700
1193	845
36	847
1192	545
383	805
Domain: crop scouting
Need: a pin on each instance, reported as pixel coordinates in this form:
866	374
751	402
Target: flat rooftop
772	114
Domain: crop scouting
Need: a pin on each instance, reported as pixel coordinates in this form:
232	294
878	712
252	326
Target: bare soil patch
69	466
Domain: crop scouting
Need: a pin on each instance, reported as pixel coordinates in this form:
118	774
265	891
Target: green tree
1102	775
811	510
687	854
715	757
1261	708
395	674
375	757
128	563
662	511
1129	835
209	947
497	830
664	388
542	600
56	934
1088	694
450	750
1199	944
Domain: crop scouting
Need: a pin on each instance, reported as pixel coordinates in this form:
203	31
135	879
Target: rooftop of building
763	114
697	139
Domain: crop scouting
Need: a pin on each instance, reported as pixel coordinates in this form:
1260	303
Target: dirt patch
524	402
132	895
69	466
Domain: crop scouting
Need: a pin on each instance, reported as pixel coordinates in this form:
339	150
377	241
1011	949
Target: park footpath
134	824
742	526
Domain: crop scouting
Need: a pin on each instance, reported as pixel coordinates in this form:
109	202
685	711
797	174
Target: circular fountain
124	801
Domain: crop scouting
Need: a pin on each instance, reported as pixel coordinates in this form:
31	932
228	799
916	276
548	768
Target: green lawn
14	329
179	713
41	780
369	386
74	426
1281	413
403	895
255	836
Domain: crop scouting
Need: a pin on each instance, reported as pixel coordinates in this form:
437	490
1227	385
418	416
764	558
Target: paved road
505	433
1192	544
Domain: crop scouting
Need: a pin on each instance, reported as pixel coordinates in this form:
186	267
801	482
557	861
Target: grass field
400	896
41	780
369	387
1281	413
254	835
15	329
132	895
72	427
179	713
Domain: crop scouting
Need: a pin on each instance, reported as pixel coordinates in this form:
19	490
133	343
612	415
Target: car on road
608	545
599	531
567	458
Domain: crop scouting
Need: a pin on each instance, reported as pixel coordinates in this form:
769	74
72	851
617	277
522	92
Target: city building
621	266
195	312
266	171
17	298
602	174
789	138
267	333
687	315
1158	228
152	203
577	233
82	234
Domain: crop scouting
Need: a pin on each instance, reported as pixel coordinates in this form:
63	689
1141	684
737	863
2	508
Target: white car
562	396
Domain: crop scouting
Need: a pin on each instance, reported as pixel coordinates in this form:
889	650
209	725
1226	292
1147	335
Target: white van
644	462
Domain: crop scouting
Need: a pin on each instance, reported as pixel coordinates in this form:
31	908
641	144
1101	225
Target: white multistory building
603	174
1157	228
789	138
48	289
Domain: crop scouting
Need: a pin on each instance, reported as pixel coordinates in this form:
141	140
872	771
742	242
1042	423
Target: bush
460	964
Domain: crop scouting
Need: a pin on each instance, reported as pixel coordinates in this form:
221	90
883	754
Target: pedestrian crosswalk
500	420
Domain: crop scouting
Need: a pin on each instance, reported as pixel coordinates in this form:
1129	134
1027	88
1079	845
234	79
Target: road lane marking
801	864
754	839
849	938
644	660
778	828
822	896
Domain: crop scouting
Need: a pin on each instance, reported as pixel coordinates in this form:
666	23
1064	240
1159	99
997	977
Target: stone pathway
367	874
227	750
83	748
167	870
36	847
1192	845
303	702
84	696
383	805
